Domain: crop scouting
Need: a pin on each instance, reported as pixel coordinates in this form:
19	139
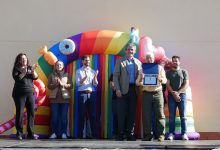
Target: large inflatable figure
104	46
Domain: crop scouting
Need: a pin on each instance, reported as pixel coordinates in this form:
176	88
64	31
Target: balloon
168	64
134	35
41	91
67	46
36	90
49	56
145	46
10	123
159	53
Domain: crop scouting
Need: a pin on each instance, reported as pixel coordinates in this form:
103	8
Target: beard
175	66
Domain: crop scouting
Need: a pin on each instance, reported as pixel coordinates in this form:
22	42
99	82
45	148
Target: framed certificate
150	80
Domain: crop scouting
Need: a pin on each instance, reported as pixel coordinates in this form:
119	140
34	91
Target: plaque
150	80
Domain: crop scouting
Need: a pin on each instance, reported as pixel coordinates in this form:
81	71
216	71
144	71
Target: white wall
189	28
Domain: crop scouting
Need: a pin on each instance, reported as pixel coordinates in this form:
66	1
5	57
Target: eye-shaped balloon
67	47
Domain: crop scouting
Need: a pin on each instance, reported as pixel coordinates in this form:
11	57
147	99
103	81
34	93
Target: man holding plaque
125	74
177	83
153	102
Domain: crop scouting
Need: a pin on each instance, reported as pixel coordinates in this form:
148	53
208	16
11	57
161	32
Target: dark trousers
21	101
115	117
59	117
153	104
88	105
126	111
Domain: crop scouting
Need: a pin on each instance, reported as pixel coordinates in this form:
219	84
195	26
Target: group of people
128	76
126	79
60	85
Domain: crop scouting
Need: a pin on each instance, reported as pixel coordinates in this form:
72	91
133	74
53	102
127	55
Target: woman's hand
34	67
60	82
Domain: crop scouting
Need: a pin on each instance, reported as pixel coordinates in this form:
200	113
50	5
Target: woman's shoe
64	136
53	136
19	137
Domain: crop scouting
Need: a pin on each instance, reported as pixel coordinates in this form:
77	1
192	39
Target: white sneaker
185	137
64	136
53	136
170	137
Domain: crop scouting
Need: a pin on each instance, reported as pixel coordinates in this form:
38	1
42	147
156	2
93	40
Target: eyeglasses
130	49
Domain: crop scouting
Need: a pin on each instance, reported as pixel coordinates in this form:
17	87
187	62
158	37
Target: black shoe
131	138
147	138
19	137
90	137
119	138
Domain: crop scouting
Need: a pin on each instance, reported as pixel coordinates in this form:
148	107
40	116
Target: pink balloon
7	125
145	46
159	53
10	123
168	64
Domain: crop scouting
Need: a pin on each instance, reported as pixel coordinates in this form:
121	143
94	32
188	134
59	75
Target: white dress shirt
88	84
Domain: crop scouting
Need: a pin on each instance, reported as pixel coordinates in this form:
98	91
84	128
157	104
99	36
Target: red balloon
39	83
40	90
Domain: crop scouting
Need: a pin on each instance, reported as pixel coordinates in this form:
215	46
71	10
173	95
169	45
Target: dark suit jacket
121	75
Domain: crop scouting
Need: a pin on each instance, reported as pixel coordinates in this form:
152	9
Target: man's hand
176	96
96	73
83	79
85	74
118	93
160	79
140	79
95	80
112	85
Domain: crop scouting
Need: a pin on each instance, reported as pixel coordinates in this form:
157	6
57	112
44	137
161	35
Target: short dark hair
84	57
175	56
131	44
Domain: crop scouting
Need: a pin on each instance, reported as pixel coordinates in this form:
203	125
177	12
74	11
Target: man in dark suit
126	72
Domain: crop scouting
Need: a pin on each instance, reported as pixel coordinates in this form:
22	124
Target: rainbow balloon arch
104	47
